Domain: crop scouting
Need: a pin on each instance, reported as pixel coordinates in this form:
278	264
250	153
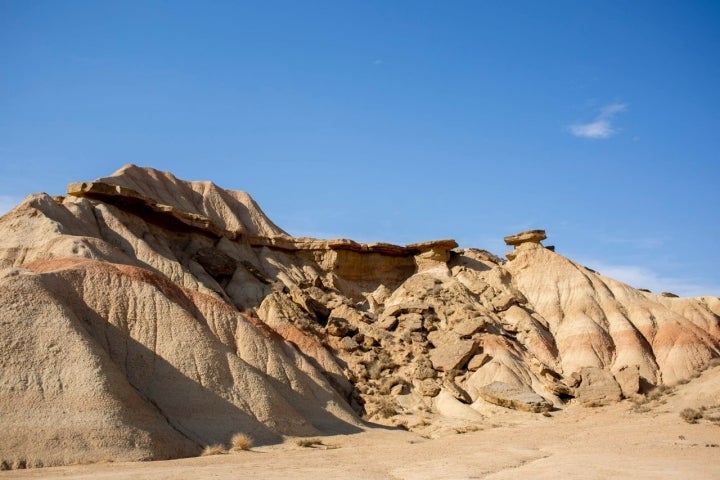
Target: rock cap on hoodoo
534	236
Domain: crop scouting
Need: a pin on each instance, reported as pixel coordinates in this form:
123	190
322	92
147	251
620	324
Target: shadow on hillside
221	403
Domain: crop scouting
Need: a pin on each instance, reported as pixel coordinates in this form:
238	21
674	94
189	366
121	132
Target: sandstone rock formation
528	236
515	397
145	317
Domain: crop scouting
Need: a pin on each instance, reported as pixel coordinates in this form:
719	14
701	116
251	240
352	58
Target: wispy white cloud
642	277
601	126
7	203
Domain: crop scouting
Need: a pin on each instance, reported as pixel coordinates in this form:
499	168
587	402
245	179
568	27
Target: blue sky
395	121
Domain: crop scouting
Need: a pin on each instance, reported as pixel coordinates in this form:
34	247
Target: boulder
412	322
478	361
597	387
511	396
348	344
628	378
558	388
503	301
469	326
389	318
349	314
344	320
428	387
337	327
387	323
573	380
450	352
424	369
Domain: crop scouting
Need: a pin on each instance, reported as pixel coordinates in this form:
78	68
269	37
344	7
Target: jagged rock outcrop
145	316
528	236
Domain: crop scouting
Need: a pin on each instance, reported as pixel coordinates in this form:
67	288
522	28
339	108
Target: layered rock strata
145	316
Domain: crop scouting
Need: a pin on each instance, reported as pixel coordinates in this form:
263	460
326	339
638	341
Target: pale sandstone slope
106	361
600	322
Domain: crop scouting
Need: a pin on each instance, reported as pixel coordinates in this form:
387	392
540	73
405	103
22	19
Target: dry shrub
215	449
691	415
382	362
309	442
641	409
468	429
659	391
387	409
241	441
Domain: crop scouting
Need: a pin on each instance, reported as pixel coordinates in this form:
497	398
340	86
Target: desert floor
619	441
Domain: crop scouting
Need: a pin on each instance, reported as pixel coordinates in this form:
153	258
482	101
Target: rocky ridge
168	315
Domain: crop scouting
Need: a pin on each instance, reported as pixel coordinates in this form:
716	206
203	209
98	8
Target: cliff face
144	317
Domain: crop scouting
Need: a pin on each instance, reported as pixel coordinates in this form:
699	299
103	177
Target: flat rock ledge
129	199
510	396
534	236
528	236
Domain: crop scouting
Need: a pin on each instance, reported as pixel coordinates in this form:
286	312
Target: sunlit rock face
146	316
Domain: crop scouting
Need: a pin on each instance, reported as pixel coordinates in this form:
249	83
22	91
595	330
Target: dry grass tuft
216	449
241	441
309	442
653	398
691	415
659	391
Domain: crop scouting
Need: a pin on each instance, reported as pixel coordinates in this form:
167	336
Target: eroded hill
145	317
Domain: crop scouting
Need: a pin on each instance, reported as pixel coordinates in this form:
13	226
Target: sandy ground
576	443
